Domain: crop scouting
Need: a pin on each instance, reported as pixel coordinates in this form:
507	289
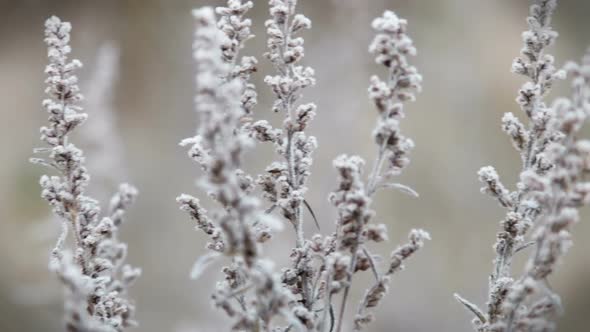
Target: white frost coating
93	271
321	266
391	47
223	101
550	190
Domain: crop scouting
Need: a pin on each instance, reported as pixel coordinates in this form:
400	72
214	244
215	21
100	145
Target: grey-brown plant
250	293
551	189
301	296
92	270
312	293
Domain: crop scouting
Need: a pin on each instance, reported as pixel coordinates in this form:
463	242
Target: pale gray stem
372	263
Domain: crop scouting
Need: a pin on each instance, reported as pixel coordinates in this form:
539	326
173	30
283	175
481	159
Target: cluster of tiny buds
237	229
391	46
285	51
237	31
283	183
93	272
545	201
550	188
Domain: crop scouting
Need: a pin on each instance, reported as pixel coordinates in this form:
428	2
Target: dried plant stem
92	272
321	265
550	190
378	165
353	198
347	286
504	257
373	265
293	179
285	51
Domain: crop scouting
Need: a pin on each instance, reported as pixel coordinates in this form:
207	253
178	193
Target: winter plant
312	292
303	295
92	269
551	188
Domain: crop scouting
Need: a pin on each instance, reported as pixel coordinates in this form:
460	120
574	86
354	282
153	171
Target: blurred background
143	78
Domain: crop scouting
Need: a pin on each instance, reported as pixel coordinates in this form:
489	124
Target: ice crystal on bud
377	232
516	130
494	187
300	22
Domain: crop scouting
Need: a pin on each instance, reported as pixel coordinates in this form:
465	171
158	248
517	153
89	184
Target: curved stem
351	268
375	173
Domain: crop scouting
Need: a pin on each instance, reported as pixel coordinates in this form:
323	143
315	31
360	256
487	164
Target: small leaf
317	224
202	263
188	141
270	209
372	262
41	150
332	320
401	187
40	161
471	307
524	246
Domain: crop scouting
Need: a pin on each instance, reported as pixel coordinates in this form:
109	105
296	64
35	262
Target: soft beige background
465	51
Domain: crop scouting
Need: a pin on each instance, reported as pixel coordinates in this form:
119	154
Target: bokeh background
465	51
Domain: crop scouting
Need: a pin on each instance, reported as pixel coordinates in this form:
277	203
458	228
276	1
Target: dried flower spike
391	47
93	271
550	191
251	292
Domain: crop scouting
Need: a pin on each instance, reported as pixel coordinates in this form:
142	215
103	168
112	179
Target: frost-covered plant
93	271
391	47
321	266
284	182
250	293
551	189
